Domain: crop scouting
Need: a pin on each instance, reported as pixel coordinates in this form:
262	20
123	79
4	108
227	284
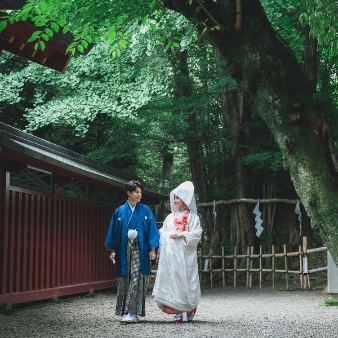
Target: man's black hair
133	185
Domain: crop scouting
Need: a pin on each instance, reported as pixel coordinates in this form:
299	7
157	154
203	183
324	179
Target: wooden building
55	208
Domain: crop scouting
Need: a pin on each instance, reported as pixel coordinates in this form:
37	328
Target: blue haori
143	221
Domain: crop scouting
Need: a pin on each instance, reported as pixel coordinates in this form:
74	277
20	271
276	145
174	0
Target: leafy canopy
91	21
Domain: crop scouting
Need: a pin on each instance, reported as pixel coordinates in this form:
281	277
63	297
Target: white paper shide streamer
258	226
299	213
215	215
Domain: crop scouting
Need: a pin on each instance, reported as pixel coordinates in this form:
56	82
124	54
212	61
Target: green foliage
89	21
322	16
264	160
328	301
135	92
290	17
116	111
284	17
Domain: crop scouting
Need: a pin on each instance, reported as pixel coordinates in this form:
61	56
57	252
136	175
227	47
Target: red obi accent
170	310
180	222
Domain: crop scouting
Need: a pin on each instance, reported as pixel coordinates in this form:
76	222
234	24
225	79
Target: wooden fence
52	246
206	262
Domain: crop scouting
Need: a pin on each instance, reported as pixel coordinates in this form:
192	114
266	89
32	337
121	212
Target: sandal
178	318
191	315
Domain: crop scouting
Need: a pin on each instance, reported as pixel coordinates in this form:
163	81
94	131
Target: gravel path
223	312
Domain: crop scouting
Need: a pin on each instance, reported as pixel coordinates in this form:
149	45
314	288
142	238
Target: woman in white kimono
177	287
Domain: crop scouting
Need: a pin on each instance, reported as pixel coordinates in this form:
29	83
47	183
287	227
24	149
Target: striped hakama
131	289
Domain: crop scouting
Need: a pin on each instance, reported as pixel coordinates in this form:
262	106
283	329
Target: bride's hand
176	235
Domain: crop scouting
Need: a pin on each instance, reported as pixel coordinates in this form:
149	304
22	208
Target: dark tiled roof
50	154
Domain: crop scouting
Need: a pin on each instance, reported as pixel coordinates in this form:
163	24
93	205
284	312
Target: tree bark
195	150
164	186
233	111
282	94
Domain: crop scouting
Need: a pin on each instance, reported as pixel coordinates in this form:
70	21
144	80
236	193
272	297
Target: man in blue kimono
132	239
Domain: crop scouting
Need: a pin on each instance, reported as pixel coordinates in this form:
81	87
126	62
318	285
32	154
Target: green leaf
65	29
61	21
123	43
84	43
49	32
78	36
34	36
285	20
41	22
70	47
37	11
27	8
3	25
80	48
55	26
89	39
111	34
42	6
42	45
45	37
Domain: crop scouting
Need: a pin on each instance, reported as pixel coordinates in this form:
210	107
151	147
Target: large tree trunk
192	139
282	94
233	111
164	186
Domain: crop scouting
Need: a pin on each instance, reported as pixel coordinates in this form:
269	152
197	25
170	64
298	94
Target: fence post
273	264
260	266
247	265
251	264
286	267
235	265
223	267
306	279
210	266
300	267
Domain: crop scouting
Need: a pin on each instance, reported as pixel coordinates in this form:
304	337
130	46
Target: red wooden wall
51	246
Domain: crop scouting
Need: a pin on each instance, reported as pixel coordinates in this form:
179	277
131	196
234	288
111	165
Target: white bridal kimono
177	282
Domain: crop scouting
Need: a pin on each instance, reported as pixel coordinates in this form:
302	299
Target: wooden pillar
306	280
4	227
